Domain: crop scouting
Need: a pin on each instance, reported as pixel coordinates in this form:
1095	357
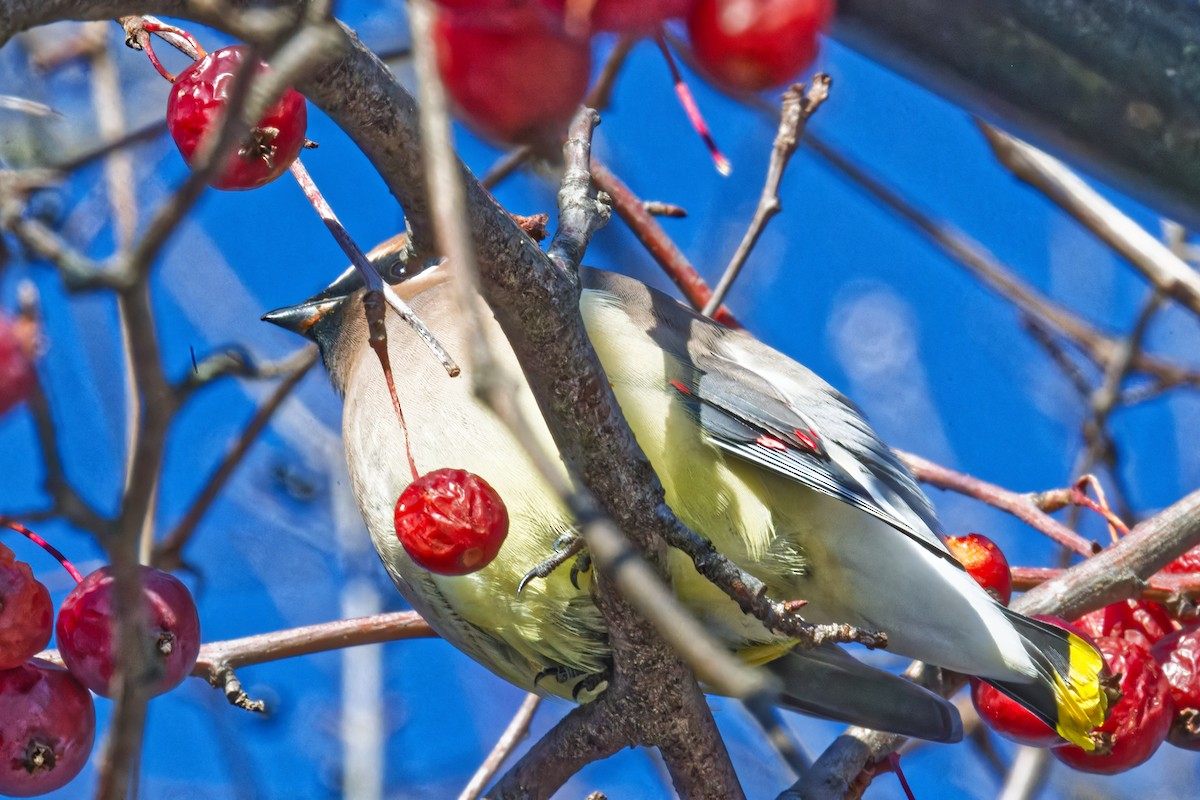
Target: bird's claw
566	546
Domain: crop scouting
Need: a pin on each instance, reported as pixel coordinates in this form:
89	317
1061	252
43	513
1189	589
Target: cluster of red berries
517	69
1153	656
47	718
451	522
197	104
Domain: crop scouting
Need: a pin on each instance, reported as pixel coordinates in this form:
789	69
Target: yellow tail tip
1081	699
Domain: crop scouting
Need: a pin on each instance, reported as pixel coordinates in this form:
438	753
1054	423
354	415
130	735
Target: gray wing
760	406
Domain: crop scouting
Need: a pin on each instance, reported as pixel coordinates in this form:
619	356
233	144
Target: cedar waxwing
755	452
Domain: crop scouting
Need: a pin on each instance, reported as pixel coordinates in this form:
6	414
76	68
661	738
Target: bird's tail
1068	694
828	682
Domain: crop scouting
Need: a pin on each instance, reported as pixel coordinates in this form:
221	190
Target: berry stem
138	30
377	337
150	54
176	37
42	543
692	110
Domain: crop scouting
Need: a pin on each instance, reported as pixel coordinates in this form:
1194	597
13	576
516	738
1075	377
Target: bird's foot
569	545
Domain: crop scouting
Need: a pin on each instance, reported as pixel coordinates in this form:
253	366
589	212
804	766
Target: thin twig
513	735
1166	271
1023	506
581	210
799	104
234	362
1027	775
370	275
657	208
656	241
1001	279
169	552
10	102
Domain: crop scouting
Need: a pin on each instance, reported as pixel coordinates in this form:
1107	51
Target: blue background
939	364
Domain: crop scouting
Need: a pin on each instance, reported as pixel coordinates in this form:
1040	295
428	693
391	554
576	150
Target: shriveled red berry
1139	721
512	74
197	104
47	726
85	629
751	45
1179	655
985	563
1144	616
16	365
26	613
1186	564
451	522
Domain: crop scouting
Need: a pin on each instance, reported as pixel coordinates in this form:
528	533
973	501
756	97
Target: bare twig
798	105
10	102
236	363
1002	280
1166	271
1027	774
513	735
370	275
581	210
1177	591
1023	506
168	553
656	241
657	208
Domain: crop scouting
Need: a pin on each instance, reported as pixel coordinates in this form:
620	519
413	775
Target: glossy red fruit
751	45
985	563
1147	617
451	522
16	365
47	726
197	104
85	629
1179	655
1139	721
513	75
26	613
1009	718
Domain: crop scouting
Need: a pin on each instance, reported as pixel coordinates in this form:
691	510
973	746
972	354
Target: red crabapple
1145	616
751	45
26	613
47	726
1179	655
16	365
451	522
196	107
1139	721
85	624
984	562
514	75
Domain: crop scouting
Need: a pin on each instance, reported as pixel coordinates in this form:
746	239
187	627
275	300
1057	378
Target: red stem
42	543
693	111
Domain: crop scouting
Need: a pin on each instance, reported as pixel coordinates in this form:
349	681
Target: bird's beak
303	318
